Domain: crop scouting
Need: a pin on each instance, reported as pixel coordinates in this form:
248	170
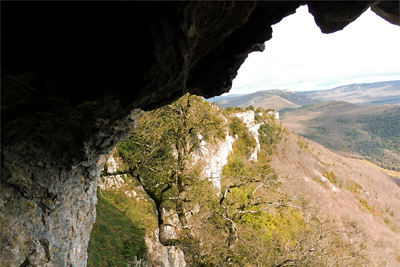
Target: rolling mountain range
358	120
378	93
281	99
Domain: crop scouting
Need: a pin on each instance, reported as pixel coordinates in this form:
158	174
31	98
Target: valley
363	132
359	120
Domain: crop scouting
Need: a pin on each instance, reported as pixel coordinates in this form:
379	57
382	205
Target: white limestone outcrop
111	181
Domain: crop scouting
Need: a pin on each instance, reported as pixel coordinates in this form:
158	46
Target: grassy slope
389	172
356	196
118	235
371	133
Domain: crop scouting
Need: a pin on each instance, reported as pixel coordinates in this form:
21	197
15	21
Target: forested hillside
365	132
262	211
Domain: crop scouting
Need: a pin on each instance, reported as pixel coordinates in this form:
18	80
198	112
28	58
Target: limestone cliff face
215	157
164	256
70	95
113	165
48	190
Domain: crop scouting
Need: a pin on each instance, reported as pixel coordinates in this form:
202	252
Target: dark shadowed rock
75	79
332	16
389	10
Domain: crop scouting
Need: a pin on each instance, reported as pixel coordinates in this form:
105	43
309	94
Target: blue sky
299	57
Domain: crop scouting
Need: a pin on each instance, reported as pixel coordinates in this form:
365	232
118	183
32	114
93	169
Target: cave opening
75	81
301	58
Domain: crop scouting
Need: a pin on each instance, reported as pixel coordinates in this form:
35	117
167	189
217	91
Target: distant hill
378	93
366	132
275	102
221	98
284	98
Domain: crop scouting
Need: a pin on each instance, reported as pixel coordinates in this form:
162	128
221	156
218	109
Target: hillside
365	132
275	102
351	193
378	93
219	188
281	99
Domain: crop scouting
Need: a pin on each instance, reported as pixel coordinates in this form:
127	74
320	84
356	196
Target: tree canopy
251	220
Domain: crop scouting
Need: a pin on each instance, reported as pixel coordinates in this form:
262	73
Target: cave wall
75	79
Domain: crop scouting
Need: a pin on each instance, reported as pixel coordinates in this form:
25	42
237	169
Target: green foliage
258	118
301	143
331	177
250	108
269	134
252	221
282	225
117	239
239	109
260	110
354	187
368	207
166	136
245	140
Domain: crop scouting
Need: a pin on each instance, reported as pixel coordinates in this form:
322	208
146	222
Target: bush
245	141
331	177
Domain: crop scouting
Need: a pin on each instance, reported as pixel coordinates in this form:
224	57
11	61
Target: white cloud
299	57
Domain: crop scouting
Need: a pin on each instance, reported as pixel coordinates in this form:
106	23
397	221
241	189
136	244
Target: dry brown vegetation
360	197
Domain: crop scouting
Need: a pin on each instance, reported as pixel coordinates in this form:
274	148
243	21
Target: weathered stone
74	79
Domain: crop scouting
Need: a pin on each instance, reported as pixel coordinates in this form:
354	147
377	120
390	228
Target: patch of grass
116	239
389	172
318	180
368	207
301	143
354	187
331	177
388	210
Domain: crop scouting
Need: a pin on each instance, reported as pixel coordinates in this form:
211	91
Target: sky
300	57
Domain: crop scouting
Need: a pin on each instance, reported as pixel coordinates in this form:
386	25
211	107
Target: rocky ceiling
75	79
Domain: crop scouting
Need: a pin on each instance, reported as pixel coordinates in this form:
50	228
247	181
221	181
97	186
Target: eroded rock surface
75	78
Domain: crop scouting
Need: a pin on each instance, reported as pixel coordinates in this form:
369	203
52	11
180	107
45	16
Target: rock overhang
149	53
